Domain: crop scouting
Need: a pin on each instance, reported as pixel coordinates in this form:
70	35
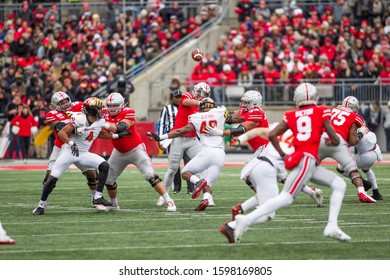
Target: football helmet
351	102
115	99
206	104
61	101
93	106
305	94
201	90
250	100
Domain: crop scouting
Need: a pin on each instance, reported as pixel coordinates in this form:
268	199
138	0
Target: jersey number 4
89	137
211	123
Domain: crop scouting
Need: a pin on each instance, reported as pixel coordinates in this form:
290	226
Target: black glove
59	126
75	150
123	134
153	136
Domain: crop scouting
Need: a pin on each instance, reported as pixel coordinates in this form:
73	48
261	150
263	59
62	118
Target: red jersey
24	124
127	143
184	112
55	115
256	115
307	124
342	120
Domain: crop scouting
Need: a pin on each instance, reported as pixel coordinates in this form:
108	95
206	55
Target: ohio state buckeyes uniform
342	120
128	150
256	115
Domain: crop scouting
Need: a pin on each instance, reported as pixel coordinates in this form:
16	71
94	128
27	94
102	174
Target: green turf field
72	229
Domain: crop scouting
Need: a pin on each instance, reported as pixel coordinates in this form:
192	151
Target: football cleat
228	232
376	195
171	206
39	211
160	201
237	210
364	198
6	240
336	233
202	205
241	228
316	195
199	186
114	207
101	204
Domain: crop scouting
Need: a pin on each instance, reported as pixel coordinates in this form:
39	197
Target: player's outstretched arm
259	131
173	134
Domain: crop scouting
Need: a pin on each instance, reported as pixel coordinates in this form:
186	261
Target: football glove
213	131
153	136
74	148
234	142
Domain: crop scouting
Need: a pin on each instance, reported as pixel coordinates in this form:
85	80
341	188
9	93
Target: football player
129	150
345	122
251	116
210	160
58	118
306	123
368	153
78	136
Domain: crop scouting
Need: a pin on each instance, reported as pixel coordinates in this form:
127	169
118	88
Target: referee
167	121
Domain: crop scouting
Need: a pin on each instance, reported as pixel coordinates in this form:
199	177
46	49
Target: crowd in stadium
41	53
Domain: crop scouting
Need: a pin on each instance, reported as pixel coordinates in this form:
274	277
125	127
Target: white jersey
368	142
85	134
214	118
285	142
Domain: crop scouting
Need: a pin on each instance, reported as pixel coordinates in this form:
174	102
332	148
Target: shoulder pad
78	119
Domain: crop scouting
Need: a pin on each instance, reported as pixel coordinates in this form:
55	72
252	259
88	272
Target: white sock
372	178
307	190
194	179
336	199
42	204
166	197
206	195
270	206
360	189
250	203
97	195
114	200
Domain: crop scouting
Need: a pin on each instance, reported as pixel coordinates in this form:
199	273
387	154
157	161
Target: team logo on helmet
206	104
115	103
201	90
93	106
351	102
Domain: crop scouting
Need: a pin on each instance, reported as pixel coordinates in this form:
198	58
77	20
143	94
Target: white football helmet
61	101
201	90
251	99
351	102
115	99
305	94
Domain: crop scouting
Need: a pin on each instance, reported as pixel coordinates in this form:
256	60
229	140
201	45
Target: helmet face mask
351	102
251	99
93	106
115	103
61	101
305	94
201	90
206	104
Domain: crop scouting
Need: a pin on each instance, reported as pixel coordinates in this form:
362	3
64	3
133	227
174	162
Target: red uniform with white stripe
184	112
127	143
342	120
55	115
256	115
307	125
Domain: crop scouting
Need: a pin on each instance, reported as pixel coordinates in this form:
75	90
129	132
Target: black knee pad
154	180
112	187
104	166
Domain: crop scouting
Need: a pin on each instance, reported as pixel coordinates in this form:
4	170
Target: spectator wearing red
244	9
304	49
25	121
384	76
328	49
226	77
343	50
311	63
327	77
271	76
368	49
296	75
295	62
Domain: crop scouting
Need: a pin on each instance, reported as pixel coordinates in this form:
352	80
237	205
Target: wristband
163	137
115	136
70	143
243	138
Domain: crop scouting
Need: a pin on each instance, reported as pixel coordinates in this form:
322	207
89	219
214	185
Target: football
197	55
